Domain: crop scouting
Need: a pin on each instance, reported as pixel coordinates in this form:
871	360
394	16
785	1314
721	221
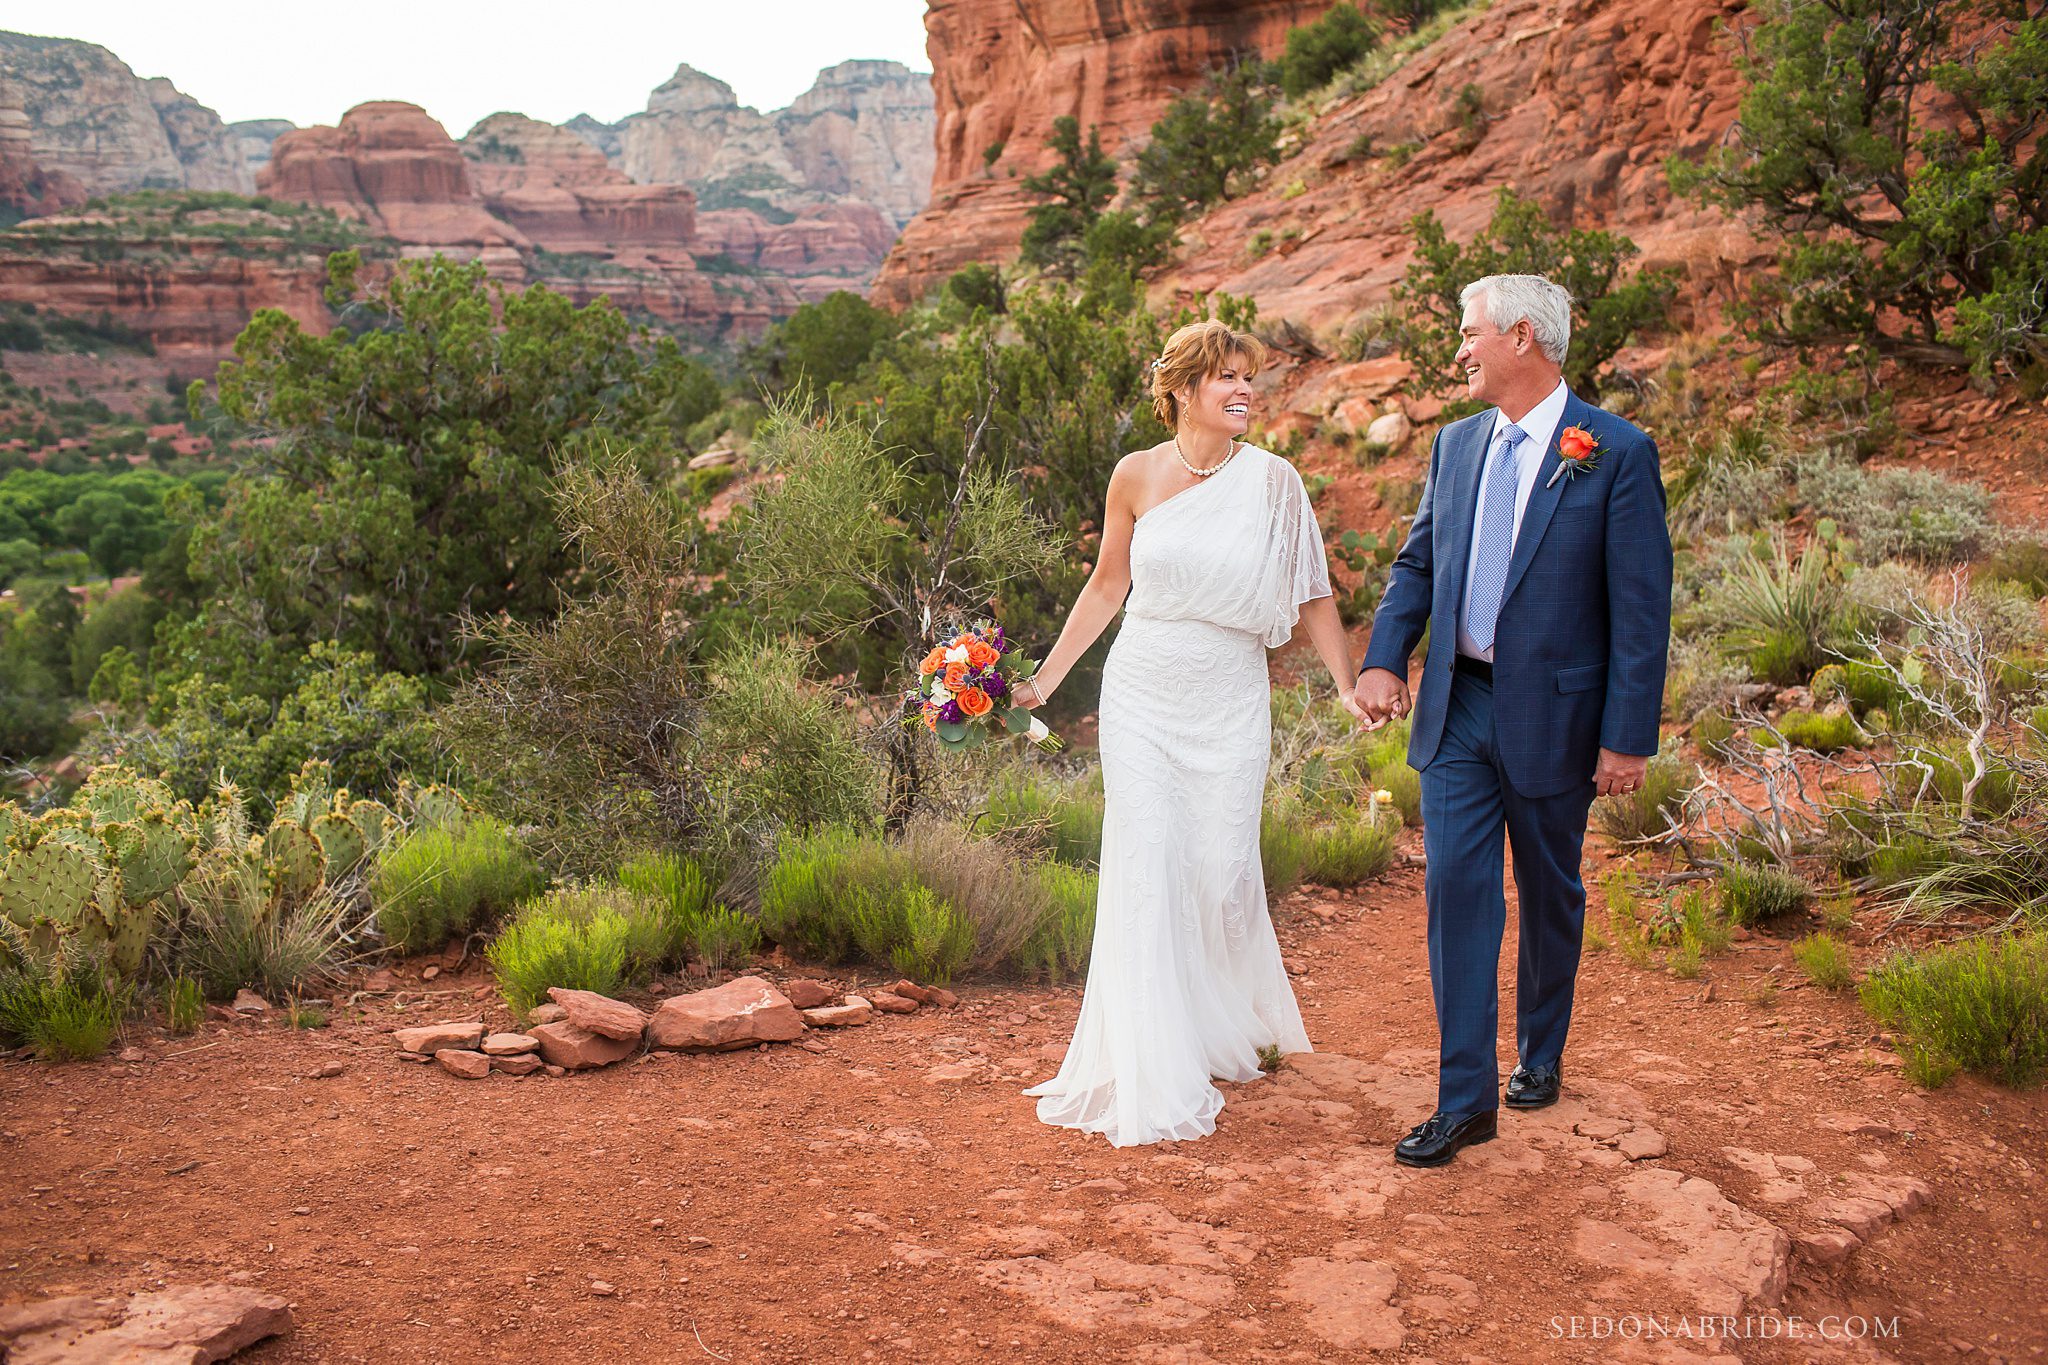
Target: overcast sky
461	61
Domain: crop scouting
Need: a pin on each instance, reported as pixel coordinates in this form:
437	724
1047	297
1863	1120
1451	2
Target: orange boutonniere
1578	452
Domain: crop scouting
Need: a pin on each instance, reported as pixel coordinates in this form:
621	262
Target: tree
400	470
1208	144
1080	185
822	343
1894	146
1316	52
1606	310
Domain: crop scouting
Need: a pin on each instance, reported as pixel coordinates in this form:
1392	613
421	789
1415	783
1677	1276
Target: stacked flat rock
744	1012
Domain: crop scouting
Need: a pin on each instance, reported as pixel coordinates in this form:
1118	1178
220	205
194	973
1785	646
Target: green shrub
1647	811
1901	513
439	882
1317	51
935	940
229	938
1350	852
1822	733
1062	819
184	1004
1783	616
1700	928
1752	893
1059	943
1825	960
681	893
1285	843
301	1015
724	938
65	1006
578	939
1981	1004
803	906
1207	146
1626	932
2024	562
1713	731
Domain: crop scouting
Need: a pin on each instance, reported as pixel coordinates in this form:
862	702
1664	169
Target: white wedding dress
1185	982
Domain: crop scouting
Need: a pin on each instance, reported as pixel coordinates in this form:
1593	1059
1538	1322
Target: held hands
1619	774
1379	697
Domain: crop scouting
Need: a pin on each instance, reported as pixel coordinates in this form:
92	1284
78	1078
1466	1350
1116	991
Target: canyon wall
1004	70
92	119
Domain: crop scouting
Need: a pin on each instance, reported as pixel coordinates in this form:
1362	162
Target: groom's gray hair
1511	298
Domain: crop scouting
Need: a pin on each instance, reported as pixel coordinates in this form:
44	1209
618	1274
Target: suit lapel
1542	499
1464	499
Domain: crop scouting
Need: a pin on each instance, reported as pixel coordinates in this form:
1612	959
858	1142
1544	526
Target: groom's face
1490	358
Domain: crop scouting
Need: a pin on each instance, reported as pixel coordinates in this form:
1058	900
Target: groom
1540	563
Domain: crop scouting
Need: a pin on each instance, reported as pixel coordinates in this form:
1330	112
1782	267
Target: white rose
957	654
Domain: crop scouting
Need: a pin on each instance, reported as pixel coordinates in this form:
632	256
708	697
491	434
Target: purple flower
993	684
951	713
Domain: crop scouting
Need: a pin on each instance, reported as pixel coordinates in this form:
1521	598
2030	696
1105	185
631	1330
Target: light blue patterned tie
1496	540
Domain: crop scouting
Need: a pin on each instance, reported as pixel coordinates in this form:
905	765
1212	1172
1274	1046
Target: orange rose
956	677
932	661
975	702
1576	443
980	655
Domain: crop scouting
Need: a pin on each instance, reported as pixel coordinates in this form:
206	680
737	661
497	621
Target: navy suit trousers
1468	808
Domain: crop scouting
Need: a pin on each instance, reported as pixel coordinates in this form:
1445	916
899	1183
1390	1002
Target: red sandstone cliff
1003	72
1583	101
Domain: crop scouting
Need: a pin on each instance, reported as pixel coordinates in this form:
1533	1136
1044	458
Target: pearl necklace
1235	446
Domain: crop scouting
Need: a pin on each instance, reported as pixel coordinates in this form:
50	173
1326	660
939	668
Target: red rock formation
1003	72
559	191
1584	101
391	167
26	186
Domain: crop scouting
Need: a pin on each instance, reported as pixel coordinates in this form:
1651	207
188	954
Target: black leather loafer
1534	1087
1441	1136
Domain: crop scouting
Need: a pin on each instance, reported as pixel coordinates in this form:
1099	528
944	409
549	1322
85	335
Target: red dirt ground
837	1204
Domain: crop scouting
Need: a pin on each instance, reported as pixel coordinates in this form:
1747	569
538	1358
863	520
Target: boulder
943	998
431	1038
600	1013
198	1323
508	1044
1391	430
456	1061
806	994
856	1010
578	1049
741	1013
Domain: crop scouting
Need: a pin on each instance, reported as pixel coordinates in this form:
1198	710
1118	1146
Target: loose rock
741	1013
431	1038
888	1002
249	1003
856	1010
508	1044
523	1064
327	1071
910	990
578	1049
546	1014
471	1066
806	994
184	1322
600	1013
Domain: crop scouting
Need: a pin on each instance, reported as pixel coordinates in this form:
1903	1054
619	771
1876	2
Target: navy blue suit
1579	656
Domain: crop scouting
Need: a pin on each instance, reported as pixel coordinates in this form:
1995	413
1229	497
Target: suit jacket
1585	617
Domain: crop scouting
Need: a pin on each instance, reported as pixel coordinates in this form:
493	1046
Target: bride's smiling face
1223	401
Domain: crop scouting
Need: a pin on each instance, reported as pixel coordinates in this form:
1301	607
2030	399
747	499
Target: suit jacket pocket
1582	679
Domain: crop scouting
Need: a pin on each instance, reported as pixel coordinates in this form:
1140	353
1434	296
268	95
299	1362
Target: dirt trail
1713	1155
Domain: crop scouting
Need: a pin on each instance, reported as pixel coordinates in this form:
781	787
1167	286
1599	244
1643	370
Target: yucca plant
1783	615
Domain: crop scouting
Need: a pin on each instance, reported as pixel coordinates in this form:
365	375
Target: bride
1216	545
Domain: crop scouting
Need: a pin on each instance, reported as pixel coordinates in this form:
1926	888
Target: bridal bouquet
964	686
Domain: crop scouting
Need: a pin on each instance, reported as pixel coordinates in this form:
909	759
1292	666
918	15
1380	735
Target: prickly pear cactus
114	792
224	819
10	818
49	884
376	823
293	864
438	806
111	920
309	794
153	854
340	842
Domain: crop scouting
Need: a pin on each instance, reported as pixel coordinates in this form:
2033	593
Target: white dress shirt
1539	429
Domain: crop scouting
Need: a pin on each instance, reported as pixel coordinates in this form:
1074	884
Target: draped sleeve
1296	569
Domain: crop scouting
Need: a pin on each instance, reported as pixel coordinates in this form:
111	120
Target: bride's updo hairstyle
1195	353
